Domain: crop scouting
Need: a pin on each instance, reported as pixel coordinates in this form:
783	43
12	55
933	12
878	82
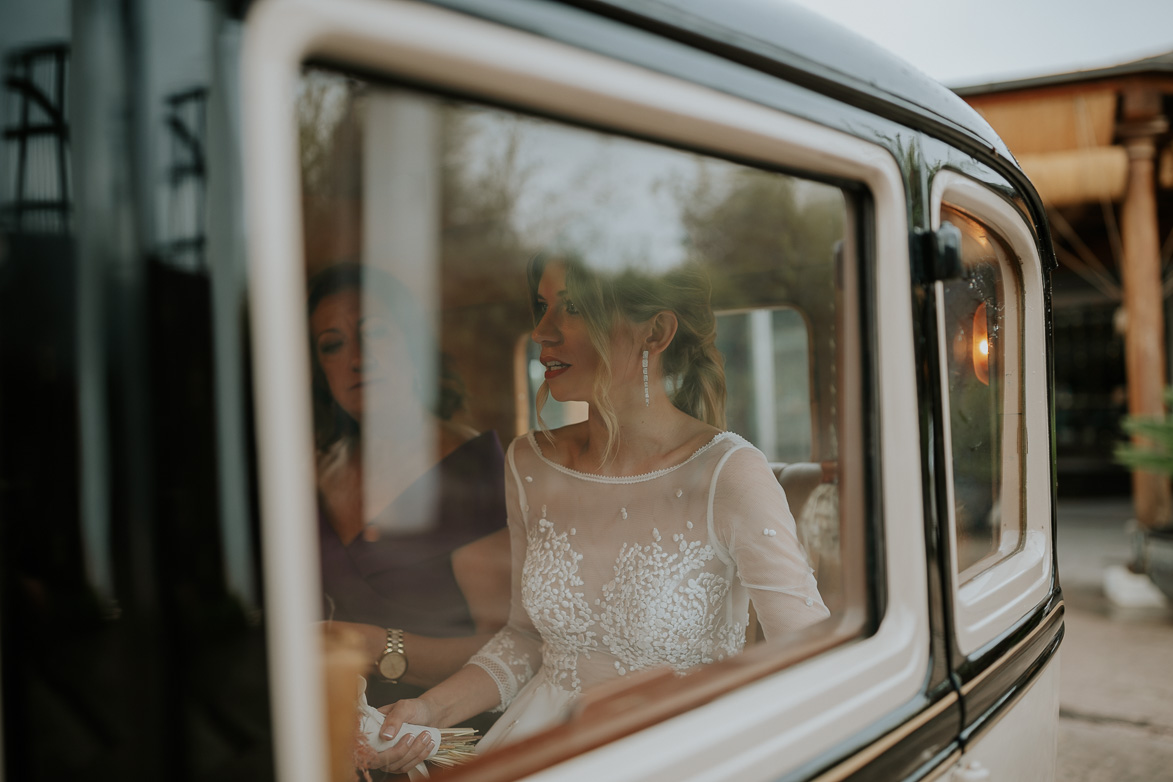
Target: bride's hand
412	750
405	755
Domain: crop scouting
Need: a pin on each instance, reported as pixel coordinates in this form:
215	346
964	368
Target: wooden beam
1040	124
1078	176
1144	342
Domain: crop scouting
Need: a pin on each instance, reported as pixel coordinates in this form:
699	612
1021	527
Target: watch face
392	665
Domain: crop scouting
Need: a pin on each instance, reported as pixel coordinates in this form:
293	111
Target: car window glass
768	372
983	359
423	217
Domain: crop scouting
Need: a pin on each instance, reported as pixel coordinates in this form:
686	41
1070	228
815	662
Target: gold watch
392	664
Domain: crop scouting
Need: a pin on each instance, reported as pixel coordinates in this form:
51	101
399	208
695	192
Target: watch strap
394	641
394	656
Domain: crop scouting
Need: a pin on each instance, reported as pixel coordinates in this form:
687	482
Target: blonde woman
640	535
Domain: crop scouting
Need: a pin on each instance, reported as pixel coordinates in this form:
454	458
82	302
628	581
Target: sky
964	42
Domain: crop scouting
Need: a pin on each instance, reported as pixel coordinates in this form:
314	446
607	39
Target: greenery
1154	452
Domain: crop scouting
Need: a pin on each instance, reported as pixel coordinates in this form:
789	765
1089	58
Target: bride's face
571	361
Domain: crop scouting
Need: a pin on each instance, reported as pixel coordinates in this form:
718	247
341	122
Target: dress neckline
647	476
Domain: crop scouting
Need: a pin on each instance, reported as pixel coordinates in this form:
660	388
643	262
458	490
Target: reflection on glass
468	209
767	359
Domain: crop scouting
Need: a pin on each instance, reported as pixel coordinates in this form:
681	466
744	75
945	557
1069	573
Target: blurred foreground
1116	692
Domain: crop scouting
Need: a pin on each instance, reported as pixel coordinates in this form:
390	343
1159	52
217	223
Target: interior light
981	345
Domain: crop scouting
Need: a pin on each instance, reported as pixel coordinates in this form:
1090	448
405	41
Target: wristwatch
392	664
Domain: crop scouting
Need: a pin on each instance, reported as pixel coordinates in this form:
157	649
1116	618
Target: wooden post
1144	339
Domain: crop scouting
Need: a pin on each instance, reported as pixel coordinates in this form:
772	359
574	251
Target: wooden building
1097	145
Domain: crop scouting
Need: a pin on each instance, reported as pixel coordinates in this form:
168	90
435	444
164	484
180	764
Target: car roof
805	48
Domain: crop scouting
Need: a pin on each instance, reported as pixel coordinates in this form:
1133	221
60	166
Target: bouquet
450	746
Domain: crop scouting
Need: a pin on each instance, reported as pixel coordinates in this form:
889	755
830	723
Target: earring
647	396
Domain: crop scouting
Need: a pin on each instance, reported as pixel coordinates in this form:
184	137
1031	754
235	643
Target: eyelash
571	308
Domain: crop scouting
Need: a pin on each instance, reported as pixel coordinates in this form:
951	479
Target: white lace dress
612	575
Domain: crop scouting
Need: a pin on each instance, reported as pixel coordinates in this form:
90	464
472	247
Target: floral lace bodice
616	574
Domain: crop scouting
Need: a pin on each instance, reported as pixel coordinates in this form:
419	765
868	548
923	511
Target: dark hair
691	365
331	422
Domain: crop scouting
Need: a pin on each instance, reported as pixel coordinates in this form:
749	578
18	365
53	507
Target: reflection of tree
330	144
771	239
480	184
484	254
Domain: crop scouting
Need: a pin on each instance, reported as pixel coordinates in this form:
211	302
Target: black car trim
904	746
1046	625
889	741
990	694
701	33
1005	705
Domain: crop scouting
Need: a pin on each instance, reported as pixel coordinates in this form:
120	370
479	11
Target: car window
982	313
424	217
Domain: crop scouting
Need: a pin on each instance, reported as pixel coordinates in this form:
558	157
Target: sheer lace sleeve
751	523
513	655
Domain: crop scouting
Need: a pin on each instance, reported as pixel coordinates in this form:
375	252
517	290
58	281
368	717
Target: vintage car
175	172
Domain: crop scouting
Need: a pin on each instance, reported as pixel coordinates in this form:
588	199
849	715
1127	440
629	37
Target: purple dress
405	579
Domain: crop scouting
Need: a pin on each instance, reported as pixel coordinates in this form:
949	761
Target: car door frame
858	704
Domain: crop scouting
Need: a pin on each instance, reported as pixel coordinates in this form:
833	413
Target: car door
851	696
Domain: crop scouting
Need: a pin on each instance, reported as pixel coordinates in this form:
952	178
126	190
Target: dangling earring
647	396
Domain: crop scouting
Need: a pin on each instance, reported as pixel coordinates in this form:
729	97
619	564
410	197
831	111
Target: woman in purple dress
415	557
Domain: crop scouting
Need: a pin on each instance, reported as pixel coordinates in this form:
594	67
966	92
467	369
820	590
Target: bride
640	535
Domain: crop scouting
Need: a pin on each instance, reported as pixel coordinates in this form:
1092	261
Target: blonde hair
693	368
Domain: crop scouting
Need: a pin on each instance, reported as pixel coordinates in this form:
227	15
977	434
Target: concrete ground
1116	692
